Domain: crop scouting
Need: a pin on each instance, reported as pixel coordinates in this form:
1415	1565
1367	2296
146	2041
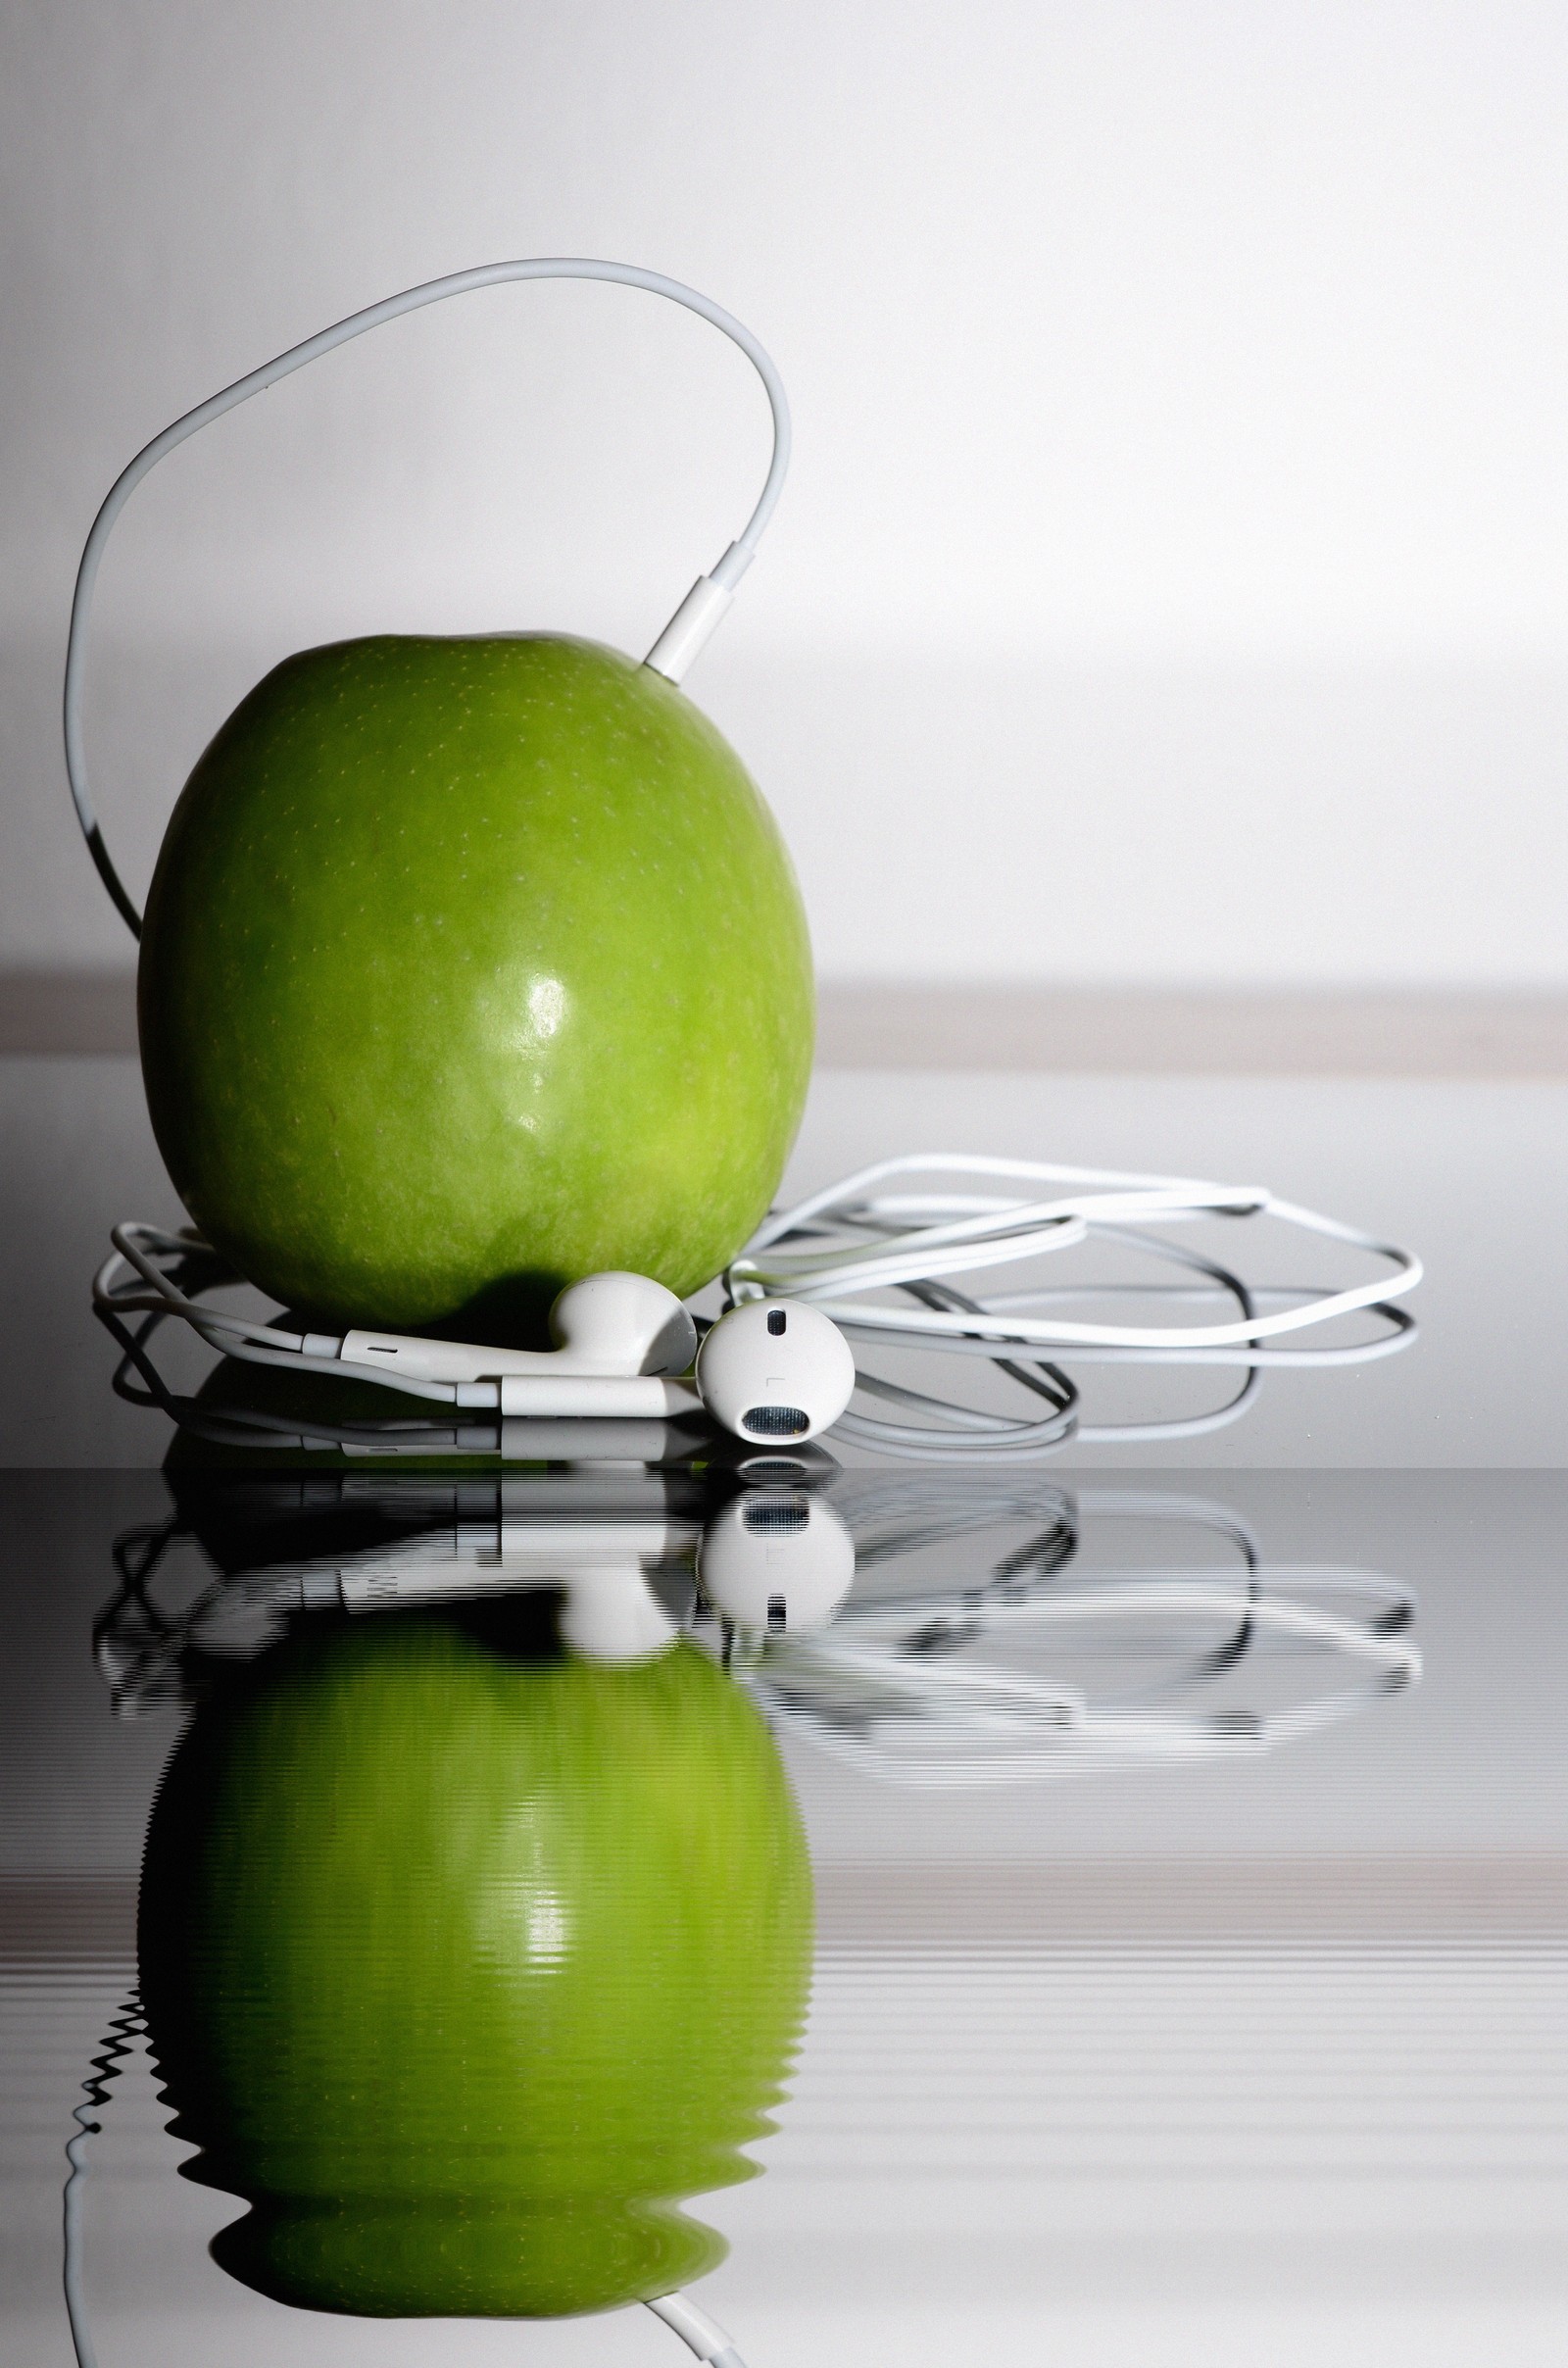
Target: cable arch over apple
682	638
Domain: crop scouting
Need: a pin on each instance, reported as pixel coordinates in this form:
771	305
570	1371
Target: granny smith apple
463	1968
472	966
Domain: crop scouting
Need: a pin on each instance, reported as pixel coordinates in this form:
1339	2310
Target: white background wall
1170	584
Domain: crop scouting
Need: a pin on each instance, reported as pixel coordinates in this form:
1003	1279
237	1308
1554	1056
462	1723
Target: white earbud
776	1562
622	1340
620	1323
774	1371
771	1371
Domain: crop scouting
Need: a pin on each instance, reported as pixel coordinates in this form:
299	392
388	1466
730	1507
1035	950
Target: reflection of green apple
465	1968
470	968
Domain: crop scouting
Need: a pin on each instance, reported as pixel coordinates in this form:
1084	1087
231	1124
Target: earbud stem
642	1396
690	628
533	1381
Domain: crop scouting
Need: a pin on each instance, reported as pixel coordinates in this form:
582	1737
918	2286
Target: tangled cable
854	1239
881	1263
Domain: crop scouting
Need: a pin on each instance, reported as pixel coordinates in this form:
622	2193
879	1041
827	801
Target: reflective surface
1078	1910
1185	1870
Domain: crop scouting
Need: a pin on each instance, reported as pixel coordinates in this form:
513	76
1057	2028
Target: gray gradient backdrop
1169	585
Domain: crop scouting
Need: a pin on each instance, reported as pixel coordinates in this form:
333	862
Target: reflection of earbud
610	1614
775	1370
776	1562
594	1556
615	1549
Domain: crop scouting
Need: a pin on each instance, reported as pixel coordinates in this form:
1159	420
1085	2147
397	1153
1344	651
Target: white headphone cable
700	2334
994	1232
904	1241
910	1243
672	654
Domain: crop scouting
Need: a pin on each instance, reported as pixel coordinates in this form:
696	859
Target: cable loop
850	1241
903	1247
726	574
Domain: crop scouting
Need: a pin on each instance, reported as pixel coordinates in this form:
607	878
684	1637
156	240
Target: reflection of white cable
106	2067
672	654
695	2328
864	1694
75	2301
1171	1505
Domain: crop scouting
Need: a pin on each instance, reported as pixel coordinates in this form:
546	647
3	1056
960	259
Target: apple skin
469	967
463	1968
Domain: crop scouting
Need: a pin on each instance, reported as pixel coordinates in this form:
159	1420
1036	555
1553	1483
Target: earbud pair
770	1370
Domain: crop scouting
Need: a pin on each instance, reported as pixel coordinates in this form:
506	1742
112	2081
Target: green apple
472	966
464	1967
